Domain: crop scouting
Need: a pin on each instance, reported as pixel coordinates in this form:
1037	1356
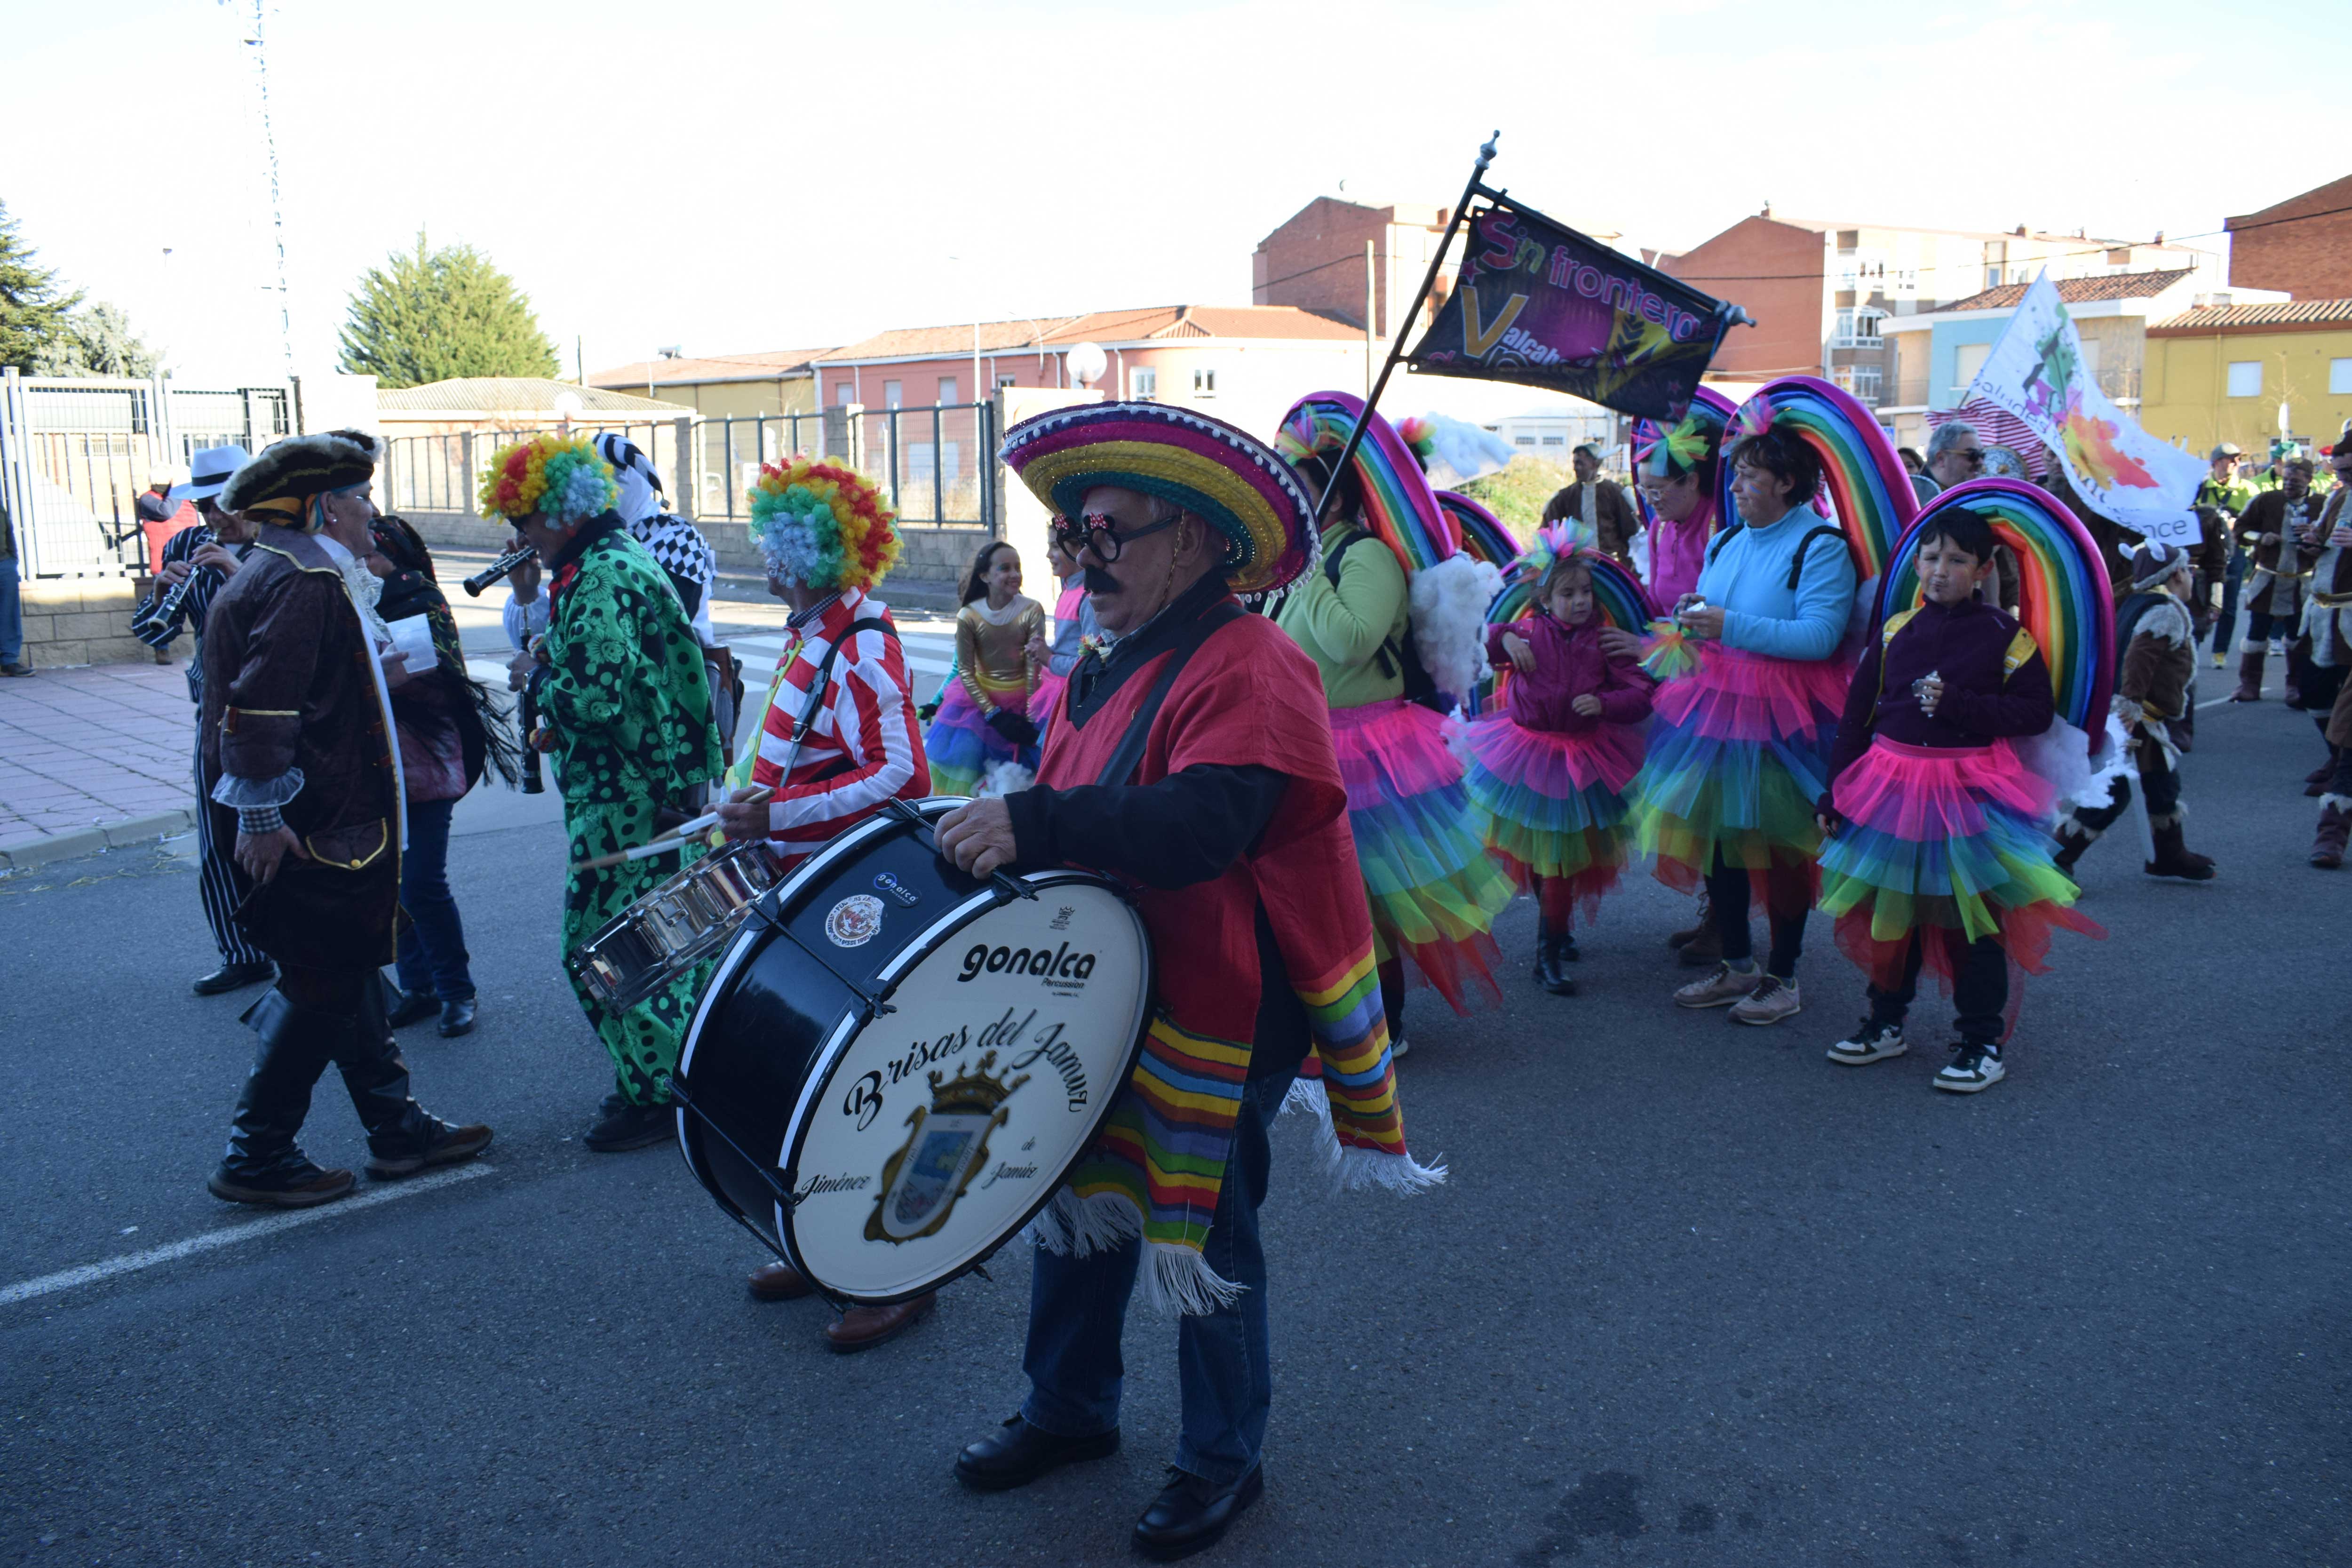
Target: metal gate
76	452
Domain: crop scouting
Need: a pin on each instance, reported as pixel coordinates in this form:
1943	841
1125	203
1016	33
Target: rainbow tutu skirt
963	748
1434	891
1945	843
1738	757
1551	806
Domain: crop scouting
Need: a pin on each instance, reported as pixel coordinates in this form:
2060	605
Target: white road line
91	1273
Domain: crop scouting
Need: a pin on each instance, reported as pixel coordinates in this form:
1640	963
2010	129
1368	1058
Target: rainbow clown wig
560	478
822	526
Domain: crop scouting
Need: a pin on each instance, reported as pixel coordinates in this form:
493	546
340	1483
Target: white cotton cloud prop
1449	620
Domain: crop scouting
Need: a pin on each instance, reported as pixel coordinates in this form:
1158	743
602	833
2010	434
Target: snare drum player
298	730
624	709
827	538
1191	756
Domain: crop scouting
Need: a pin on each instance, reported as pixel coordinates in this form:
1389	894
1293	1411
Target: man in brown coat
2276	530
1598	503
2327	654
297	726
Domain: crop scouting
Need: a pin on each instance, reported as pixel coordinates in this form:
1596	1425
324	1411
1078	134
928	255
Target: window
1868	379
1858	328
2245	378
1008	381
1554	440
1204	384
843	393
1967	360
947	389
1144	385
2339	376
1523	441
893	393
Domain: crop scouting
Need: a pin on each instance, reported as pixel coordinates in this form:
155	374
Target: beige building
757	382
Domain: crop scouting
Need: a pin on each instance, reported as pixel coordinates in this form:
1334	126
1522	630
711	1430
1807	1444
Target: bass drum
894	1064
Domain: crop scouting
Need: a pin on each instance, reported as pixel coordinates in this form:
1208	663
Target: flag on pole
1542	305
2035	372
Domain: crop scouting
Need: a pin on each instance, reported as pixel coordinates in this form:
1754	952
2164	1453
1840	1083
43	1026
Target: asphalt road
1692	1295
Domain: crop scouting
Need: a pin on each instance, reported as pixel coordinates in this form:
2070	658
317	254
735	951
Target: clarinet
167	608
533	783
498	569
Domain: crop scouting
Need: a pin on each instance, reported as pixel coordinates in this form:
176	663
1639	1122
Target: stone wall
931	560
81	620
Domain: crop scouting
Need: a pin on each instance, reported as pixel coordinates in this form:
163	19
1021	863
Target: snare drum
894	1064
676	926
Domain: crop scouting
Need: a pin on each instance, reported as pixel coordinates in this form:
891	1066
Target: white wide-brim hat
208	470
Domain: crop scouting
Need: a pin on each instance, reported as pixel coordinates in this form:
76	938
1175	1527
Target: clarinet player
198	562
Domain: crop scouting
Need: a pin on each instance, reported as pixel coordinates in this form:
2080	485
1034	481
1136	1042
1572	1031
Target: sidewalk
93	757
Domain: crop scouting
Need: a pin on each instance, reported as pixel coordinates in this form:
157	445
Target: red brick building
2302	245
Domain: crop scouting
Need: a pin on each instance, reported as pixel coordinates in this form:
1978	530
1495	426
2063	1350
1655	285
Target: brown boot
2314	783
2250	676
2174	857
1691	933
778	1282
2073	840
2335	826
1704	950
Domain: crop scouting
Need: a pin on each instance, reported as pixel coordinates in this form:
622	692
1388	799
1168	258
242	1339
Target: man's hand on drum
978	837
741	816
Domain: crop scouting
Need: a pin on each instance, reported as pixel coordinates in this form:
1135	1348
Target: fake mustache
1099	580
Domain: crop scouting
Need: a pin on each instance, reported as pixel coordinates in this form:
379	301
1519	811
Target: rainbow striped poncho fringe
1160	1164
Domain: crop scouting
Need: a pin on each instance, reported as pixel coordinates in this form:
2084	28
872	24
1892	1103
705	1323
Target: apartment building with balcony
1827	293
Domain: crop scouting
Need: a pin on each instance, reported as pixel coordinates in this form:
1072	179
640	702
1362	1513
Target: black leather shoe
233	977
621	1126
414	1008
1017	1453
457	1019
1192	1515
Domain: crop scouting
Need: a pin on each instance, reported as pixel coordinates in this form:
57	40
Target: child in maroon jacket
1546	773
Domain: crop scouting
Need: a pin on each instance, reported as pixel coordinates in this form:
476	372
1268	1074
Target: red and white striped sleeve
876	753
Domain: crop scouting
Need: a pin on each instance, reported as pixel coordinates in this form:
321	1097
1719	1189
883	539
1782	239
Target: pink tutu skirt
1550	806
1434	892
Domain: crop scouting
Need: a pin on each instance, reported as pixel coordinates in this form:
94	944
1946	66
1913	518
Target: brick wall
1775	271
80	620
2309	258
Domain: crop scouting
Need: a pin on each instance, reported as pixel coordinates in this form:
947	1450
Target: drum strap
822	681
1187	642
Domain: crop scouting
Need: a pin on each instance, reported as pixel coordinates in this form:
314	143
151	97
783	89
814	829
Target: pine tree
429	315
32	311
98	341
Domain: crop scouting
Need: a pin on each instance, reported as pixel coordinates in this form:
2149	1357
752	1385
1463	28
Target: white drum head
936	1131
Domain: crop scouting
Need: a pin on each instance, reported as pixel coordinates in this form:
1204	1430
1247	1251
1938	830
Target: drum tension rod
1007	887
875	1006
769	1176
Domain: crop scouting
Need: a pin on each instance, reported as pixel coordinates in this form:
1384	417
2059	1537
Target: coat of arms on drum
946	1145
854	921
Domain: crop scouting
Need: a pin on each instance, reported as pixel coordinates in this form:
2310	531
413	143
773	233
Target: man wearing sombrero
297	729
1191	756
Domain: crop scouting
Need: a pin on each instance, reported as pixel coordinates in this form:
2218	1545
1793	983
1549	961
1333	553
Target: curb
29	850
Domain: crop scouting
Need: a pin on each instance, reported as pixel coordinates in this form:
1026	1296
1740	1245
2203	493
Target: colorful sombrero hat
1221	473
1398	502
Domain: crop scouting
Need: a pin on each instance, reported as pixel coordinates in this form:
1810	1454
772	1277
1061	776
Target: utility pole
1371	289
276	212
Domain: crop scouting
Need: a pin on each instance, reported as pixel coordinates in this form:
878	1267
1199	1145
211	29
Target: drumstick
685	834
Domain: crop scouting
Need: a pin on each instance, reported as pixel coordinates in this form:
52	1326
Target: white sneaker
1720	989
1871	1042
1772	1000
1975	1068
1398	1047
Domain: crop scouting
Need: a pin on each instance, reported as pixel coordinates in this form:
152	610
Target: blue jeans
432	942
12	614
1078	1308
2225	624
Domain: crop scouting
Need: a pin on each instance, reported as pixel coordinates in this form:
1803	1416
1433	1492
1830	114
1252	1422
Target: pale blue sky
733	176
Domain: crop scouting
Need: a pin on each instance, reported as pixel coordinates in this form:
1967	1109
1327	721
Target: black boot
404	1138
1548	972
262	1163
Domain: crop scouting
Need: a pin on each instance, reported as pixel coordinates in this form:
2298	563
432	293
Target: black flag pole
1411	315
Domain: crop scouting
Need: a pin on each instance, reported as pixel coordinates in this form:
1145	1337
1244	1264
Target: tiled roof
2290	313
1145	323
2074	291
765	365
513	394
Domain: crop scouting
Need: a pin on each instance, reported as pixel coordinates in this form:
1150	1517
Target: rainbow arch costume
1947	838
1398	589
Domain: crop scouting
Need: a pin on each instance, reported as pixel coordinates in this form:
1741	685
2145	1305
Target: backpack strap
1804	547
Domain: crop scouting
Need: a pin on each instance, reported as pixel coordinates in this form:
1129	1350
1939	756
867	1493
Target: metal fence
935	464
75	453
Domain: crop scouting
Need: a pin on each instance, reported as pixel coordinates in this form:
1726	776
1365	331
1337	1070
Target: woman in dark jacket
448	732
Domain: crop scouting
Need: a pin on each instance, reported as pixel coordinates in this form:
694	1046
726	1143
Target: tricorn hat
1225	476
298	468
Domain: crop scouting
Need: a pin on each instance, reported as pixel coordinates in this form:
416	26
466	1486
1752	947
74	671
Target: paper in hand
411	636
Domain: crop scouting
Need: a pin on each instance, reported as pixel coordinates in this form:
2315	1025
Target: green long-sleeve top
1354	632
625	690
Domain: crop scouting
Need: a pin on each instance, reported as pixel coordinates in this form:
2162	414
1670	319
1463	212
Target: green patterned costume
626	696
